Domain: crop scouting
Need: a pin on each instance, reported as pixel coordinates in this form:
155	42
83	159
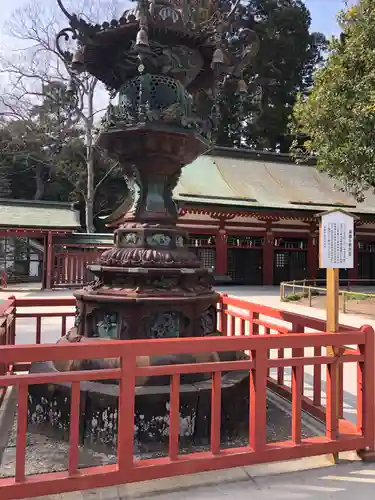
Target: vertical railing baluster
216	413
13	337
75	404
224	316
63	326
258	400
174	417
267	331
360	395
297	390
38	329
254	327
125	444
232	330
366	389
299	352
219	315
280	370
341	390
23	400
242	327
317	379
332	420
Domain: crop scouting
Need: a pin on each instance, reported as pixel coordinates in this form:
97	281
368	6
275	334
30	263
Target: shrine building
251	218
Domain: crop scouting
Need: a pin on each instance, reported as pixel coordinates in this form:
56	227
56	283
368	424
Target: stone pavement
265	295
269	482
270	296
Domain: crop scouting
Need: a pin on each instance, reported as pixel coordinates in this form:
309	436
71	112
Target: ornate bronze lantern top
182	39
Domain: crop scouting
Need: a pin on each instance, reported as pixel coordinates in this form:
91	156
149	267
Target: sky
323	14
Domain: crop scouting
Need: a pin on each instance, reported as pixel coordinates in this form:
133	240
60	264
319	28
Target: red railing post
341	390
242	327
332	415
216	413
126	407
366	389
232	324
280	370
224	315
253	327
174	417
317	379
23	400
38	330
267	331
297	393
63	326
75	411
13	331
297	386
258	400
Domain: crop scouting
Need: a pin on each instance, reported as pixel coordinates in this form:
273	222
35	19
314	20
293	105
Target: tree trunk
90	193
39	180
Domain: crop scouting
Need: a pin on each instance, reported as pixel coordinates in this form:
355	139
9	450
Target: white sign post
336	252
337	240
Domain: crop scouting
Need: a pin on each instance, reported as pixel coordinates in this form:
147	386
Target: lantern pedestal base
49	408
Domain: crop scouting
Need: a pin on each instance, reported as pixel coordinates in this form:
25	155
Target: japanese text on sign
337	241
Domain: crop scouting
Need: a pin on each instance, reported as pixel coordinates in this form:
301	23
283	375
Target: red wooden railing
48	308
71	267
239	317
128	469
277	342
7	333
235	317
233	313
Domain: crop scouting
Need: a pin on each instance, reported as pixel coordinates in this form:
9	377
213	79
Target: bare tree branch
105	176
36	64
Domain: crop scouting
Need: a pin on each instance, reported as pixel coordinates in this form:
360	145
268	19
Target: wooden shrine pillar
268	257
312	254
221	252
353	273
48	255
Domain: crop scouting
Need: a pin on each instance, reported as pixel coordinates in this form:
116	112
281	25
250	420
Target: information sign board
337	240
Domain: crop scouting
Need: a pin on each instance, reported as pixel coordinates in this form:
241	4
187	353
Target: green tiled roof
38	214
249	180
91	239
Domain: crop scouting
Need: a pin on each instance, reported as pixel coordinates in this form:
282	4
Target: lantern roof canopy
173	36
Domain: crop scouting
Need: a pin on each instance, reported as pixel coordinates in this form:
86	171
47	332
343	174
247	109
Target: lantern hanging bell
217	58
71	88
78	60
242	87
142	38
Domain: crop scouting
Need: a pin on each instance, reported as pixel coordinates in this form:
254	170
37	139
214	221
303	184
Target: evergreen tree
282	67
336	122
